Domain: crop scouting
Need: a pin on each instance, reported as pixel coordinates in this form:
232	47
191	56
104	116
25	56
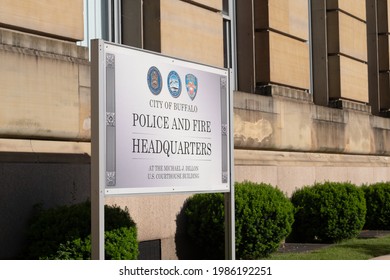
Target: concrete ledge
350	105
289	121
282	91
36	45
40	146
275	158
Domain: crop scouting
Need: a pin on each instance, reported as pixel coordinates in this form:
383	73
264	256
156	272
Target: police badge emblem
154	80
174	84
191	85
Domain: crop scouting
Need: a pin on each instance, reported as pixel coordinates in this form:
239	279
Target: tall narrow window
379	17
227	43
129	22
131	14
228	11
95	21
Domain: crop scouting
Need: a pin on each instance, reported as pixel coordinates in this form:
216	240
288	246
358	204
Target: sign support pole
230	253
97	177
230	224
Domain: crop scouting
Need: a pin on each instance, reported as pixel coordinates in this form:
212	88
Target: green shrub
205	225
378	206
264	217
328	212
64	233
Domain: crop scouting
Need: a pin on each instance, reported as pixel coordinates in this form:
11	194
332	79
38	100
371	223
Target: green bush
205	225
64	233
264	217
378	206
328	212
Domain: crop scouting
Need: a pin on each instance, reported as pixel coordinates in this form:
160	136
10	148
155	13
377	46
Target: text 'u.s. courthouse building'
311	97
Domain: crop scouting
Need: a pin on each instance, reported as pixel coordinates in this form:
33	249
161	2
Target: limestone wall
45	88
281	123
58	19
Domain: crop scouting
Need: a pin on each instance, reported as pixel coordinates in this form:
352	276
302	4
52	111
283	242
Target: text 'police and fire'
164	122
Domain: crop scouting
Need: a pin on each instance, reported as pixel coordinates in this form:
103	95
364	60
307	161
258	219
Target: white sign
164	123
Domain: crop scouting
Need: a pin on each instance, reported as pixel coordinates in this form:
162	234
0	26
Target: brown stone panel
346	35
348	79
383	16
246	80
384	86
191	32
356	8
131	18
383	52
152	25
263	57
282	60
54	18
287	16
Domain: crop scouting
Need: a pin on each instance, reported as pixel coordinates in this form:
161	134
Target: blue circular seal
154	80
174	84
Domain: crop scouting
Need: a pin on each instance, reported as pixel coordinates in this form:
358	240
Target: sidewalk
385	257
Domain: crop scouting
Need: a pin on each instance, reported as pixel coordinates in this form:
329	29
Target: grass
354	249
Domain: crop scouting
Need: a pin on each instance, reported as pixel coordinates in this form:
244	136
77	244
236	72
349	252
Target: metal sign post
159	125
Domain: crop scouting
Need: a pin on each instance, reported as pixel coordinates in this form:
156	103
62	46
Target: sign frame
103	139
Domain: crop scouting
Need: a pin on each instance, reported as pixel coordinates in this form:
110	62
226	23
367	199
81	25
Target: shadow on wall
27	180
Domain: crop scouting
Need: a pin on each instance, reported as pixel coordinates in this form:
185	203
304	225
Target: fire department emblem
191	85
174	84
154	80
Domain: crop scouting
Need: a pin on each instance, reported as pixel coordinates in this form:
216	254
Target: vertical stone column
347	50
383	53
192	30
281	43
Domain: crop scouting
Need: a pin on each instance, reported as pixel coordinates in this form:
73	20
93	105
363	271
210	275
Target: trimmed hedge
378	206
64	233
204	215
328	212
264	219
264	216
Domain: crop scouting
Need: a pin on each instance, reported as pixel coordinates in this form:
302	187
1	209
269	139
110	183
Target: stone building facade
311	96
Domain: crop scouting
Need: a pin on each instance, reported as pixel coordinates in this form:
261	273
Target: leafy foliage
205	225
64	233
328	212
378	206
263	217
